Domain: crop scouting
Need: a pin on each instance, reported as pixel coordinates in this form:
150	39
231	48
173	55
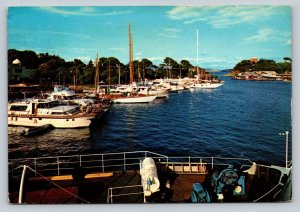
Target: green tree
185	66
243	66
171	67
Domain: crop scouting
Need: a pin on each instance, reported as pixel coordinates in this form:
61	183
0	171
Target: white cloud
288	42
82	11
221	16
172	30
156	59
267	50
168	35
261	36
117	13
270	35
66	33
118	49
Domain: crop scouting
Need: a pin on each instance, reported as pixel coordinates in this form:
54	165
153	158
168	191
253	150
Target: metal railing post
212	163
111	196
80	160
124	161
190	164
102	162
286	148
57	165
21	189
34	166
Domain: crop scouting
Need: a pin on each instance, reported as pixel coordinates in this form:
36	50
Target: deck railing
111	195
109	162
60	165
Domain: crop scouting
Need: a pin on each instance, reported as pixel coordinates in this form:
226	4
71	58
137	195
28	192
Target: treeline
264	65
54	69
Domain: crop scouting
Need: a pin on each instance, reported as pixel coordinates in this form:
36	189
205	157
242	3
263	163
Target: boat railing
106	162
192	164
124	191
110	162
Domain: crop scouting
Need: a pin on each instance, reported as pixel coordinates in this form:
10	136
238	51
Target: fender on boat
149	178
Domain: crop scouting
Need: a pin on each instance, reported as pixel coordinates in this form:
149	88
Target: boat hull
206	85
135	99
56	122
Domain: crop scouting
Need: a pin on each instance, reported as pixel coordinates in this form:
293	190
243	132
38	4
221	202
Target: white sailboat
130	99
206	84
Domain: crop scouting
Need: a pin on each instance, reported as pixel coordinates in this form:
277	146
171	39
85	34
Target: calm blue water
240	119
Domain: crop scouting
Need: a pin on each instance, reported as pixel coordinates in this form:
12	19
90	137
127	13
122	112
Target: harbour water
238	119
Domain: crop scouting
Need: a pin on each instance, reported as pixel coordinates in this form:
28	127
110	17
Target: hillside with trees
54	69
264	65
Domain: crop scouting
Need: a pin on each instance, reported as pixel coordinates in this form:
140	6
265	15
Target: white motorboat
154	90
134	99
38	112
65	94
206	85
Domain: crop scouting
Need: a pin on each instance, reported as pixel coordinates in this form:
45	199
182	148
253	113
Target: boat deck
89	190
176	180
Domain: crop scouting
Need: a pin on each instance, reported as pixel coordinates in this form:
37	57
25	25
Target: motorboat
206	85
65	94
133	99
153	90
39	112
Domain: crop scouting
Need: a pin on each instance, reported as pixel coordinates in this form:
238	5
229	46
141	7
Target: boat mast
108	72
97	73
130	55
198	75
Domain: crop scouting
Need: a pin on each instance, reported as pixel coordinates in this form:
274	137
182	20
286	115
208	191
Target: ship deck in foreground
138	177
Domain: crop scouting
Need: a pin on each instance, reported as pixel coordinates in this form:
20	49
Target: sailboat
207	83
131	98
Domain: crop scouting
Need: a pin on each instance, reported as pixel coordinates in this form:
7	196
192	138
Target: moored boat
207	83
130	98
39	112
133	99
66	95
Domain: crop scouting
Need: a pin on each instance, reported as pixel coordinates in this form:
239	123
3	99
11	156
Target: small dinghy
36	130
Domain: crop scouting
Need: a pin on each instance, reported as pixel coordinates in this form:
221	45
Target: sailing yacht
204	84
131	98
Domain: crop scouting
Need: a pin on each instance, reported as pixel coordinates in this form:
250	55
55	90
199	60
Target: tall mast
109	72
197	57
130	55
97	72
139	73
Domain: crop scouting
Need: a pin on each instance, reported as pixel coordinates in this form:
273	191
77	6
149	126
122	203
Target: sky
227	34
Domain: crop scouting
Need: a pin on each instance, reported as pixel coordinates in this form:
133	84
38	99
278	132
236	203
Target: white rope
59	186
